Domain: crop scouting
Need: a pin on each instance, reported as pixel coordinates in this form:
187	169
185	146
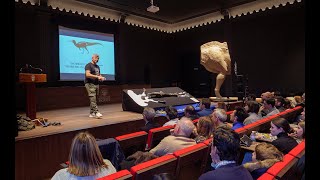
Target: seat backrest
284	169
191	161
241	131
155	135
120	175
289	115
146	170
266	176
161	120
195	121
299	150
111	150
133	142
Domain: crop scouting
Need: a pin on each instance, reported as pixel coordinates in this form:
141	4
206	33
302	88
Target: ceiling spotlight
153	8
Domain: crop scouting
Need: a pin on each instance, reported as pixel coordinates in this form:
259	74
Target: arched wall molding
112	15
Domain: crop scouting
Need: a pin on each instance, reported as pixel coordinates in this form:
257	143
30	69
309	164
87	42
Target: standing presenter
92	79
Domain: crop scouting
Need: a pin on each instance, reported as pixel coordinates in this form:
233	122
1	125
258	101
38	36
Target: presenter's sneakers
92	115
98	115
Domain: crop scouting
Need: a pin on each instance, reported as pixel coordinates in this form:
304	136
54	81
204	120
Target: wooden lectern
30	81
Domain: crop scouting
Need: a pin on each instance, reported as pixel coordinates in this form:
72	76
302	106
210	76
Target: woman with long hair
85	160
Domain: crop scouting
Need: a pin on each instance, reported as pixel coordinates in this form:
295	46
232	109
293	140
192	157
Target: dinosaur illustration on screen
83	45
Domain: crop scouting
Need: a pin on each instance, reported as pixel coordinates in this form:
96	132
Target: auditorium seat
255	126
195	121
284	169
155	135
161	120
191	161
133	142
266	176
120	175
299	150
163	164
241	131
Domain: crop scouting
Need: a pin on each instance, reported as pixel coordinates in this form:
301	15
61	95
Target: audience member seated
287	104
299	132
205	109
225	150
179	139
136	158
264	96
222	105
299	101
263	157
292	101
148	116
204	129
269	105
279	104
219	118
85	160
172	115
252	108
190	112
300	117
250	97
237	117
280	128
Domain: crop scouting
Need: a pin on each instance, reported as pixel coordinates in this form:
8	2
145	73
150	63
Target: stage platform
74	119
39	152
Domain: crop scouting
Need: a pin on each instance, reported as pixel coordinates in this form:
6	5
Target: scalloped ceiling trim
88	10
258	5
33	2
108	14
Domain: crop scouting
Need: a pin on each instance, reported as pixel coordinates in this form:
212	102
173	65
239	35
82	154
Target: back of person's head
270	101
293	102
267	151
220	114
240	113
281	100
205	126
227	142
163	176
282	123
189	110
222	105
184	127
266	95
171	112
253	107
298	99
141	157
149	113
251	97
287	103
85	157
206	102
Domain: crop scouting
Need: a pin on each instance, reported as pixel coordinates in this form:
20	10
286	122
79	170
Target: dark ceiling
171	11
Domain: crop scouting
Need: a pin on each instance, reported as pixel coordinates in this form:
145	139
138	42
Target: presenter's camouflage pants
93	92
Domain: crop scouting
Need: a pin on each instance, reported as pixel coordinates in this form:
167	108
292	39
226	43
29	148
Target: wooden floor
73	119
